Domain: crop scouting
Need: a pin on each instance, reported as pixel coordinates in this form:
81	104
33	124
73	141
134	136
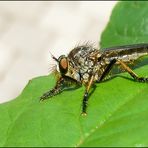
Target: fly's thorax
89	65
81	63
99	69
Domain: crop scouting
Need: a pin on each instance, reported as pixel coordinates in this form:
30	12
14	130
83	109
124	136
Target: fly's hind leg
134	75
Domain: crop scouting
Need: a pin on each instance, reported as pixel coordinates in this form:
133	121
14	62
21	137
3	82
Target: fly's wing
126	53
134	55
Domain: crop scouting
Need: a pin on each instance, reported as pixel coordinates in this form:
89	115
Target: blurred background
29	30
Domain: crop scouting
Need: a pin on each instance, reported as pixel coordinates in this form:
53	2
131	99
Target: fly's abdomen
126	53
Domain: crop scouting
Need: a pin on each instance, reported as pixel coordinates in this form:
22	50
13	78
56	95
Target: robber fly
86	65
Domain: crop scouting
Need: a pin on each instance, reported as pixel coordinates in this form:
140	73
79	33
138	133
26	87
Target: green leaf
117	110
117	115
128	25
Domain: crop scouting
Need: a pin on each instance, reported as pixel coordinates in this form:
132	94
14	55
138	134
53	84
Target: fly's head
67	69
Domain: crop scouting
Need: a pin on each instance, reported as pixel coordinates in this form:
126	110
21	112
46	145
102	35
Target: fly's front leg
134	75
56	90
63	83
85	98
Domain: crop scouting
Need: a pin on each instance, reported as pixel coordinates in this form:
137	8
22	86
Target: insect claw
142	79
41	99
83	114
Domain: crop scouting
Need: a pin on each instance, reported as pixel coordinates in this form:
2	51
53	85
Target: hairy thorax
85	61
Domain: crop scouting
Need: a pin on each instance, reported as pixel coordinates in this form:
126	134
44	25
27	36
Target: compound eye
63	64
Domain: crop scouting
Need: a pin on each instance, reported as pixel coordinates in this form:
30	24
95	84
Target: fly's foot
83	114
142	79
50	93
47	95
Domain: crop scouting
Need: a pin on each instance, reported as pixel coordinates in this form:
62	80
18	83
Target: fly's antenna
53	57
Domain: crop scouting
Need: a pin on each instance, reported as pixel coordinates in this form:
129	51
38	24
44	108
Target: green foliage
128	25
117	111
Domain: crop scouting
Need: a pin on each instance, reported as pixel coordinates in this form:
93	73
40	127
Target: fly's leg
107	70
84	105
134	75
63	83
56	90
85	98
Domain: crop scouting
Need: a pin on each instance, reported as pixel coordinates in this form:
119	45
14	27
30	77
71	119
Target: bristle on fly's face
52	68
